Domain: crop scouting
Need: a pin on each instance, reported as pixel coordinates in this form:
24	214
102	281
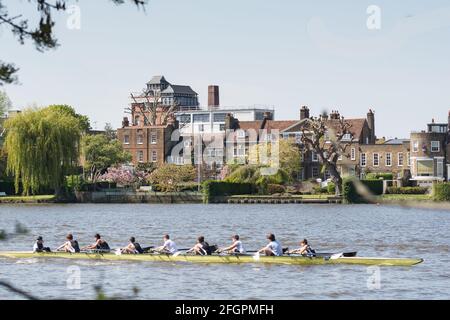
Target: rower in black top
39	246
99	245
305	249
133	247
201	248
71	245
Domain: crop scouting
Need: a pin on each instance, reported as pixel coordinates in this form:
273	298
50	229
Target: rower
305	249
201	248
39	246
133	247
99	244
273	248
70	245
236	246
168	247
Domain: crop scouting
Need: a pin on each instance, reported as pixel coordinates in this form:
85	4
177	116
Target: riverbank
29	199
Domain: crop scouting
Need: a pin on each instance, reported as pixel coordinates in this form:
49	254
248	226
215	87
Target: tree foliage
100	153
42	147
288	156
41	35
169	177
83	120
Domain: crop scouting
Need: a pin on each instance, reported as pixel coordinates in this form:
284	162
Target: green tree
85	124
289	158
170	177
41	35
42	147
100	153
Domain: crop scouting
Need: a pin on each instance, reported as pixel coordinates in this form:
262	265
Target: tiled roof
356	126
157	80
179	89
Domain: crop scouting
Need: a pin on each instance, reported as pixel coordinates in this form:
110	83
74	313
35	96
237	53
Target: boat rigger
218	258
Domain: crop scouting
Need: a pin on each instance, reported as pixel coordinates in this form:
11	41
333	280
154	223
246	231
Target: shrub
223	188
407	190
351	194
349	191
169	176
275	188
319	190
74	183
380	176
375	186
331	188
441	191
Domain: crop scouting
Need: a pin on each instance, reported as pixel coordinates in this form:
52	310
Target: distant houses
165	120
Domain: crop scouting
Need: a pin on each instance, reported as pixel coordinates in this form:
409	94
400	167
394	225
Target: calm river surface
371	230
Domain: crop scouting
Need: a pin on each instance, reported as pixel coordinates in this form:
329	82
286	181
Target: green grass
309	196
406	197
27	198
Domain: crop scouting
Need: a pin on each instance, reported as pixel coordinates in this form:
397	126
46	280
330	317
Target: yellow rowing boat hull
287	260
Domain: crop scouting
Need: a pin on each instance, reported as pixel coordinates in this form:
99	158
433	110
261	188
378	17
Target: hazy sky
279	53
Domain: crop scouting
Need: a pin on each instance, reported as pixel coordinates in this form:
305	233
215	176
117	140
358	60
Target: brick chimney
335	115
371	122
213	97
304	113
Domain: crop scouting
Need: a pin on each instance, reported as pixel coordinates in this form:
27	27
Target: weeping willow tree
42	147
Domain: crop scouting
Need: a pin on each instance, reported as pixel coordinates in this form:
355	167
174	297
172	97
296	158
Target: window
154	156
388	159
126	139
347	137
435	146
204	117
153	138
376	160
408	159
400	159
314	156
353	154
363	160
219	117
240	150
184	118
315	172
425	168
285	135
416	146
140	156
140	139
136	121
298	138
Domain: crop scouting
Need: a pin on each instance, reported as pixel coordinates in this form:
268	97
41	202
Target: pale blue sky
283	53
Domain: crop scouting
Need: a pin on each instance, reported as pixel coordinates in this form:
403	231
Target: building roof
157	80
356	126
248	125
176	89
396	141
279	125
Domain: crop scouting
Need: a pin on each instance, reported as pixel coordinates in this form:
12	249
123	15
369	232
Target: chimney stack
371	122
125	122
213	97
304	113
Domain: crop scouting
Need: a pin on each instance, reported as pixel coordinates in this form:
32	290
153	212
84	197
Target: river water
371	230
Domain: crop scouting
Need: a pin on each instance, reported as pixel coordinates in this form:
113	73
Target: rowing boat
287	260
